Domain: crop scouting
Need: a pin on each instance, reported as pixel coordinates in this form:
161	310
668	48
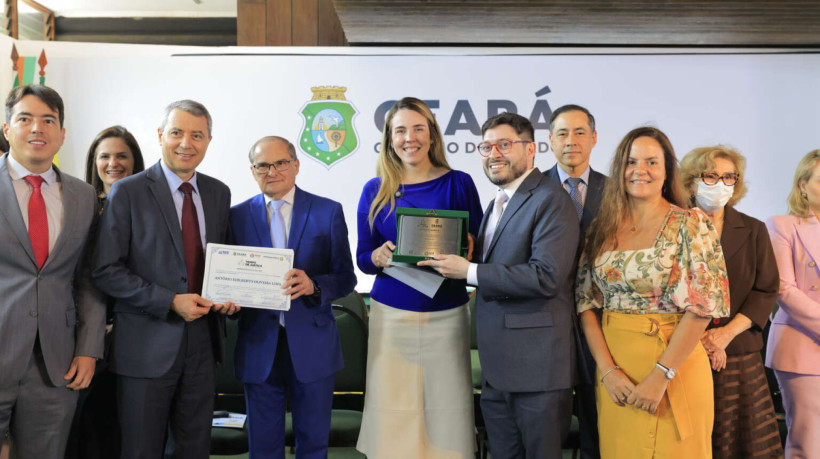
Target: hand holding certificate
251	277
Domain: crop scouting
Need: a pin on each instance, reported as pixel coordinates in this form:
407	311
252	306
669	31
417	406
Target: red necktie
194	255
37	220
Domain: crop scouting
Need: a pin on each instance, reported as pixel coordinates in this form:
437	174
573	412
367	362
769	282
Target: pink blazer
794	338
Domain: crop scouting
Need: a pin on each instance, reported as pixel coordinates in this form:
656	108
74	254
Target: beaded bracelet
616	367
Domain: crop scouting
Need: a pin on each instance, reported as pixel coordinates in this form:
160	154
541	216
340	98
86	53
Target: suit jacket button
32	313
183	279
812	264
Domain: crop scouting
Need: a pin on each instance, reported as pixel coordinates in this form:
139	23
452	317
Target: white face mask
712	198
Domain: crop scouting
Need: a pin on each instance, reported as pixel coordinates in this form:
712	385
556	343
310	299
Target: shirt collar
511	187
563	176
18	171
173	179
288	198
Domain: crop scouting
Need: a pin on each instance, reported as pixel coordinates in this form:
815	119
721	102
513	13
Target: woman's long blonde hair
798	202
615	202
389	166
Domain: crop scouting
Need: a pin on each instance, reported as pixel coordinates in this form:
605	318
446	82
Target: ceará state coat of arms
328	135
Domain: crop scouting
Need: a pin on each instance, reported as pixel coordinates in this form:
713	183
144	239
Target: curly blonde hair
702	160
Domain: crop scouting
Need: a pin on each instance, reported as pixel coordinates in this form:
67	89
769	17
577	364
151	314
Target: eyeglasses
711	178
281	166
503	146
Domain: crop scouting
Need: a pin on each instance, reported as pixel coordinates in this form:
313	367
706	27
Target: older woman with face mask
745	424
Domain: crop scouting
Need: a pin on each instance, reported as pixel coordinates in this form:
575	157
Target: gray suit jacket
595	193
140	261
56	302
525	302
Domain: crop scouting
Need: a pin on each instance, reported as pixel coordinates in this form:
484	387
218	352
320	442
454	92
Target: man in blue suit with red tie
297	351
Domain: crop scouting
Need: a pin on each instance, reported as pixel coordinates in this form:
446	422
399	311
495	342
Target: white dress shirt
52	195
173	183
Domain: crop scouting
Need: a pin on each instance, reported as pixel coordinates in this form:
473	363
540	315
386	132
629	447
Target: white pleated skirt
419	397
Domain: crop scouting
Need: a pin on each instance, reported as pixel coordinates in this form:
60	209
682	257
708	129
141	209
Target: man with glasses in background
295	352
524	305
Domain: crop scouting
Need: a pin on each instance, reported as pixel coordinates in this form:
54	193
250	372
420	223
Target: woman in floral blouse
658	273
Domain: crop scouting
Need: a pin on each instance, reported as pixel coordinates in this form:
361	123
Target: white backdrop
767	105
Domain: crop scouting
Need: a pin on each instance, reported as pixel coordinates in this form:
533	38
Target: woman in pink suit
794	339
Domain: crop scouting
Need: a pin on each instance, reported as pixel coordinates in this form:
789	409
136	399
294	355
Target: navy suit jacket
595	192
140	261
318	237
525	304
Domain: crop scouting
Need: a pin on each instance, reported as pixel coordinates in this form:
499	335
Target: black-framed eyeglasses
281	166
711	178
503	146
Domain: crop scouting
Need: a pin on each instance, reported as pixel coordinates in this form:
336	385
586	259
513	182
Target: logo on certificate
328	135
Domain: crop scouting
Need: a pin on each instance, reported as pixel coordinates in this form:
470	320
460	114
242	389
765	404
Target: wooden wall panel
330	29
288	23
278	31
305	22
250	23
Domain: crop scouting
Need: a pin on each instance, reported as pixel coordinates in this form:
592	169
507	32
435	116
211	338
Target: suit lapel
592	202
259	221
734	234
807	231
206	194
487	215
162	195
71	215
522	195
552	174
10	209
298	220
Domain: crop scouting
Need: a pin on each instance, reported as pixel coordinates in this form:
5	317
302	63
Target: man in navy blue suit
572	137
297	351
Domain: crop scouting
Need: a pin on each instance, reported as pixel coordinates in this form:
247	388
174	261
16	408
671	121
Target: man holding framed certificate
297	350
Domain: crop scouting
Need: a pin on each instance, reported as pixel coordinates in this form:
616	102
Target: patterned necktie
575	195
278	233
37	220
489	232
192	241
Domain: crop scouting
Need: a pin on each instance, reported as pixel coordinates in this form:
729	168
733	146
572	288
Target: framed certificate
251	277
425	233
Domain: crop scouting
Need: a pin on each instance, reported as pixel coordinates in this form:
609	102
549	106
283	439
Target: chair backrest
353	336
355	303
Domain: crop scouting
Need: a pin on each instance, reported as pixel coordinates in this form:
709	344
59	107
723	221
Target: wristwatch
317	292
668	372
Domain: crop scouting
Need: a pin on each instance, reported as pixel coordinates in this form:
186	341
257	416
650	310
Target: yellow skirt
682	425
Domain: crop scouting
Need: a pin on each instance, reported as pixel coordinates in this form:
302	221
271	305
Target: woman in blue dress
419	400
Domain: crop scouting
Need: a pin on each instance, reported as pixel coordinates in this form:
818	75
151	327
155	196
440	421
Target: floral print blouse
684	270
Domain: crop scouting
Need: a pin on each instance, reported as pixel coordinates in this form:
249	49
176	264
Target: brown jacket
753	277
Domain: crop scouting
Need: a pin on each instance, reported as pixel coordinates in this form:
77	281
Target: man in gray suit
525	305
572	138
52	322
150	258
